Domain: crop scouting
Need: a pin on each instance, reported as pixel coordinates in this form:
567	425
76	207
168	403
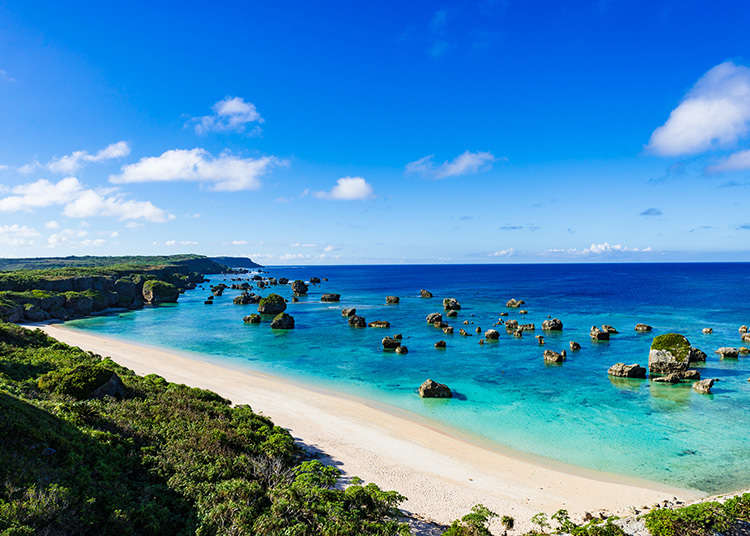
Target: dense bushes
165	459
702	519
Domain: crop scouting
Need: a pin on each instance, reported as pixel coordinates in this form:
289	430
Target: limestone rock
552	324
670	353
440	345
627	371
356	321
598	334
643	328
348	311
272	304
379	324
514	303
726	352
551	356
392	300
451	304
252	319
704	386
282	321
424	293
330	297
574	346
491	334
389	343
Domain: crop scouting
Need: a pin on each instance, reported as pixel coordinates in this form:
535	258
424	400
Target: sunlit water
573	413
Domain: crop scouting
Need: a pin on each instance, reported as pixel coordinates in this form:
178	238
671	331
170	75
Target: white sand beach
441	473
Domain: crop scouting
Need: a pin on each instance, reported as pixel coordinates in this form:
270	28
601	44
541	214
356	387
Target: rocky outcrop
252	319
598	334
440	345
707	331
609	329
283	281
727	352
514	303
348	311
643	328
282	321
704	386
379	324
390	343
433	389
491	335
696	355
574	346
402	349
743	330
246	298
391	300
551	356
330	297
622	370
451	304
315	280
434	317
424	293
448	330
552	324
112	387
299	288
453	313
672	377
272	304
670	353
155	292
356	321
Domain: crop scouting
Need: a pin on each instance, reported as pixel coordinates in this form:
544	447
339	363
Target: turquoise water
573	413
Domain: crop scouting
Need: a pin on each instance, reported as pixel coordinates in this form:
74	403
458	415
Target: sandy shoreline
442	475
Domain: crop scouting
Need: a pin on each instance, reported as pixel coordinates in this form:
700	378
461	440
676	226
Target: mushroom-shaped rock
627	371
552	324
598	334
451	304
330	297
514	303
402	349
357	321
282	321
727	352
609	329
440	345
551	356
643	328
391	300
424	293
433	389
272	304
299	288
434	317
704	386
389	343
252	319
379	324
492	335
348	311
574	346
669	353
452	313
707	331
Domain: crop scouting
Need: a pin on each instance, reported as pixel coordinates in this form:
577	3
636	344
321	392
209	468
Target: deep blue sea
573	413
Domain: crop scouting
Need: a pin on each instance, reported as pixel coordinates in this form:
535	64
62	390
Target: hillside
237	262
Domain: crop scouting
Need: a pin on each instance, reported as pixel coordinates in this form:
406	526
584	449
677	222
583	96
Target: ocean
505	394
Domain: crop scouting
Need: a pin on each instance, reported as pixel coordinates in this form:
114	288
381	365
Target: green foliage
508	522
168	459
676	344
596	527
475	523
701	519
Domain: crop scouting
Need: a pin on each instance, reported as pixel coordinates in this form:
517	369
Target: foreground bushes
165	459
702	519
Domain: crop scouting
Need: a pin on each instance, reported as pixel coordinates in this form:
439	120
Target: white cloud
464	164
239	242
329	248
17	235
226	172
66	236
301	245
180	243
606	248
715	113
73	162
230	114
52	224
735	162
348	189
503	253
79	202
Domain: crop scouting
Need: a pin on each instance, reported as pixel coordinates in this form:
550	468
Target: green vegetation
474	523
156	291
676	344
163	459
595	527
272	304
132	262
702	519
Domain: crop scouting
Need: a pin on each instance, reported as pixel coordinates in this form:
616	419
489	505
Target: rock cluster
670	353
552	324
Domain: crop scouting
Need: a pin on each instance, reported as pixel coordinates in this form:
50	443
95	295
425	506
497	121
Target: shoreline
442	472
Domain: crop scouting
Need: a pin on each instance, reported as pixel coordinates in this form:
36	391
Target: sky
379	132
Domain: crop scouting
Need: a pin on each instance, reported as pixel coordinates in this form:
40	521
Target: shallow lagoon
573	413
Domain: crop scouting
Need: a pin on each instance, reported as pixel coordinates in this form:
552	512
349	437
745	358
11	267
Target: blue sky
494	131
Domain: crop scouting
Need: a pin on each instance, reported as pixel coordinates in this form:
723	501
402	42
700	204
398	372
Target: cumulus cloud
651	212
17	235
348	189
229	114
606	247
52	224
73	162
464	164
79	202
225	172
180	243
714	113
503	253
738	161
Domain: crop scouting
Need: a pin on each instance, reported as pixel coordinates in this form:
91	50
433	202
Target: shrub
475	523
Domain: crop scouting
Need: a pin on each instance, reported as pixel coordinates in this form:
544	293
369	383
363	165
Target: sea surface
574	412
